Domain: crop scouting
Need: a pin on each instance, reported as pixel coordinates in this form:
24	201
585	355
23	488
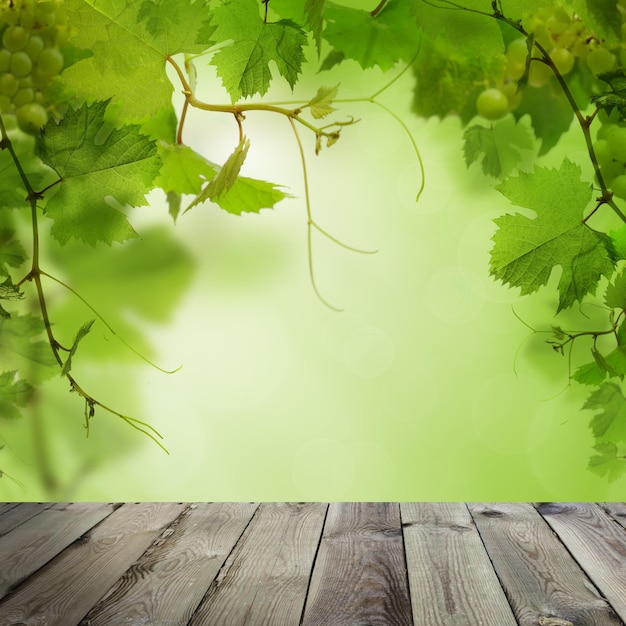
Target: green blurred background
425	387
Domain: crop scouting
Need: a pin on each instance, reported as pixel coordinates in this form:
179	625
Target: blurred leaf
14	393
83	331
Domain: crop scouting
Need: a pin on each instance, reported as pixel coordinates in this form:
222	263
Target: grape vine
88	129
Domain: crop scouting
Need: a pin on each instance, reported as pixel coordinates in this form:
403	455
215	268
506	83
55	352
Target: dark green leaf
610	423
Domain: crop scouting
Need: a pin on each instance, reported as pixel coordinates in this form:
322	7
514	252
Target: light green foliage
608	462
601	16
8	291
244	65
250	195
183	169
502	145
609	425
130	42
320	104
527	249
12	253
95	164
381	40
82	332
14	393
223	182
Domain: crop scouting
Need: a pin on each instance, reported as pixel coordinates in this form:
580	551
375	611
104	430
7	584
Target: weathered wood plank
264	581
13	516
451	579
596	542
360	574
6	506
617	510
543	583
62	593
169	580
32	544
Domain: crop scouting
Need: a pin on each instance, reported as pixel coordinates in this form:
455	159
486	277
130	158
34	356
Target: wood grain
451	578
32	544
62	593
360	573
169	580
264	582
541	580
12	515
597	542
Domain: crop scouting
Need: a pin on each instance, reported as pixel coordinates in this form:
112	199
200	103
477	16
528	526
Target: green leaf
183	169
227	176
130	42
314	10
23	350
610	423
526	250
99	172
550	113
12	253
249	195
8	291
14	393
502	145
615	97
381	40
244	65
618	241
589	374
615	297
83	331
320	103
607	462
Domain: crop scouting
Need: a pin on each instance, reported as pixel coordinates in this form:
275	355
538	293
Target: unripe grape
618	186
31	117
8	85
492	104
512	94
5	104
21	65
616	141
5	60
517	50
23	96
539	74
49	63
600	60
563	59
34	47
603	152
15	38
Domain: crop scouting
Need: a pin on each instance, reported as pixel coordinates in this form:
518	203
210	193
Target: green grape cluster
31	35
569	44
610	149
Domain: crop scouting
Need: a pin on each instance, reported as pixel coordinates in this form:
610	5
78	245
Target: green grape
517	50
611	170
21	65
616	141
23	96
8	85
492	104
9	121
563	59
15	38
603	152
31	117
512	94
618	186
34	47
5	60
49	63
45	15
5	104
539	74
600	60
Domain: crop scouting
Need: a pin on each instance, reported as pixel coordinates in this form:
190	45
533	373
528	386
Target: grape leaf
550	113
610	423
244	65
250	195
381	40
615	98
320	104
94	168
183	169
130	42
8	291
501	144
82	332
21	348
526	250
12	253
227	176
14	393
314	10
615	297
608	462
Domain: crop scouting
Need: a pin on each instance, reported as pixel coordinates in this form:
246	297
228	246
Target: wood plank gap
17	515
542	581
168	582
596	542
406	563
